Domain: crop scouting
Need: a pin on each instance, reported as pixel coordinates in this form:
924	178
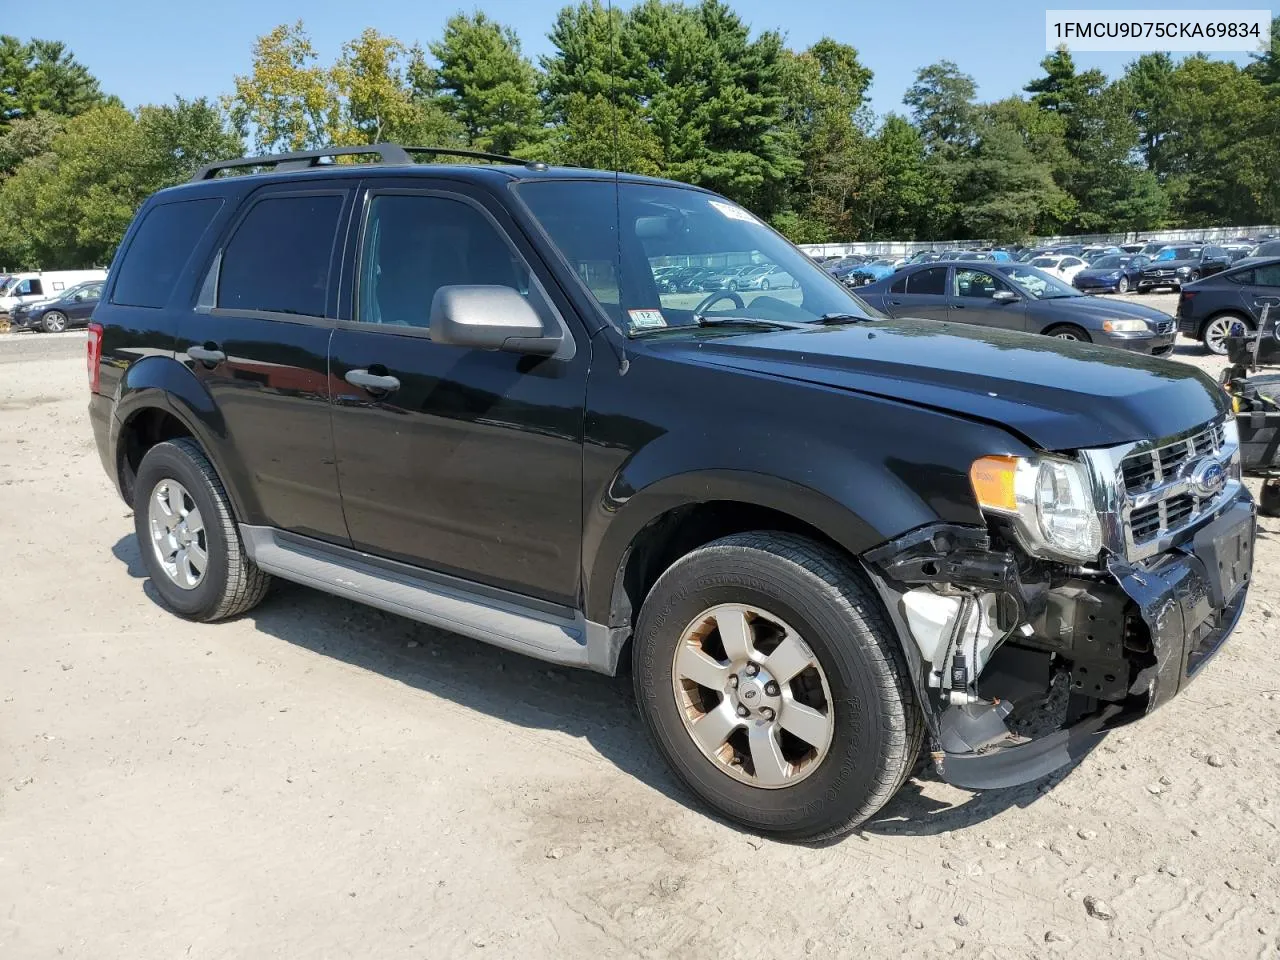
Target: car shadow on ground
518	689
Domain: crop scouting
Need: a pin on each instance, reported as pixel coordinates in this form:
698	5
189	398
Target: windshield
8	284
1108	263
676	226
1038	284
1178	253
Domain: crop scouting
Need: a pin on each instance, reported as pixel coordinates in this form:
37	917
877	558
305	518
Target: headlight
1049	500
1126	326
1183	270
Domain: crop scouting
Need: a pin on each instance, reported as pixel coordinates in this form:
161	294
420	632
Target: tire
876	725
1066	331
1122	286
230	582
54	322
1213	333
1192	277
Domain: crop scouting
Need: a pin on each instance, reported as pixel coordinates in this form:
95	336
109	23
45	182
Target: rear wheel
1123	285
771	682
1214	333
54	322
1068	332
188	537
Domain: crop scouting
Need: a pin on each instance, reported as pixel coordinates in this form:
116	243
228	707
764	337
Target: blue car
870	272
1115	273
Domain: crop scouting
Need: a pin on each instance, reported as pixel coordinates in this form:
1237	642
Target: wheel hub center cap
753	692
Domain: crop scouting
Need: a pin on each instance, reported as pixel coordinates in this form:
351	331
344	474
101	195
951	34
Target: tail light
93	355
1184	301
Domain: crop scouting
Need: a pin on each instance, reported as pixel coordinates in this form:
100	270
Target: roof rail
390	154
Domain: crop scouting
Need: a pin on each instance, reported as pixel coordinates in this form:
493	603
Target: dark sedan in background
1115	273
1015	296
71	308
1208	309
1182	263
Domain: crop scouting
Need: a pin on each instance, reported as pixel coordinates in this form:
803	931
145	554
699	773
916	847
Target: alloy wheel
177	534
1216	333
1123	285
753	697
1066	335
55	322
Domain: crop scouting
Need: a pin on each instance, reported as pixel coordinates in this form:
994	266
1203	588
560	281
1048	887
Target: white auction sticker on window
732	212
646	319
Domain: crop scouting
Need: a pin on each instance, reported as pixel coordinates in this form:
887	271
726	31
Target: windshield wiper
704	321
835	319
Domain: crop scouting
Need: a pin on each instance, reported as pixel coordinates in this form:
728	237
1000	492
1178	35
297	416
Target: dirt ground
319	779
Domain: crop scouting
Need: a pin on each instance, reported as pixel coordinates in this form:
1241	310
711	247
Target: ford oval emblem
1208	479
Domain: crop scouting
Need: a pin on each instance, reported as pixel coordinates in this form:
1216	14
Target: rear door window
280	256
932	282
146	275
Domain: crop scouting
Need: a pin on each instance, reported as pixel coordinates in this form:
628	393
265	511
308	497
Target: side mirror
1004	296
490	318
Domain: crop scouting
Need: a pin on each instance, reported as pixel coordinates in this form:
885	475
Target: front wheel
772	684
54	322
1068	332
1123	285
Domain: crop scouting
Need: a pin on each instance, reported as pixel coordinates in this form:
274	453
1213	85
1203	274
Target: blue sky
145	51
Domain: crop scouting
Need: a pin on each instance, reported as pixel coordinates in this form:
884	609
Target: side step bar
504	620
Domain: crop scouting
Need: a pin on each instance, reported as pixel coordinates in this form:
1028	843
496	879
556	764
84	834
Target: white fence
900	248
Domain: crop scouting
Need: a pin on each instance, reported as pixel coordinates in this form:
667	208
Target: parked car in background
1264	250
844	263
870	272
1093	253
73	308
1068	250
1175	265
925	256
1237	251
1062	267
1111	274
30	287
767	277
1017	296
1132	247
1152	247
1208	308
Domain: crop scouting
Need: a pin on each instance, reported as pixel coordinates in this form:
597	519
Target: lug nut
743	711
771	688
766	713
733	681
752	669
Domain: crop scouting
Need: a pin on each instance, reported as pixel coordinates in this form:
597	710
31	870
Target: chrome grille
1164	326
1155	484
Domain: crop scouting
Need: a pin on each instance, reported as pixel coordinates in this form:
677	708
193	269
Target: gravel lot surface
319	779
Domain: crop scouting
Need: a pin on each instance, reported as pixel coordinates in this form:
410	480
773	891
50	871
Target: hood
1169	265
1057	394
1099	308
1099	271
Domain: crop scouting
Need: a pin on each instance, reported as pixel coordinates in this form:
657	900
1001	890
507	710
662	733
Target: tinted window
415	245
1268	276
899	285
1241	276
278	261
932	281
1109	263
159	250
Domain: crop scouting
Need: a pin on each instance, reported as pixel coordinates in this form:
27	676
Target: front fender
161	382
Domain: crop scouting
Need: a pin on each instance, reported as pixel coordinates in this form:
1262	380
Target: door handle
208	354
896	303
957	306
373	382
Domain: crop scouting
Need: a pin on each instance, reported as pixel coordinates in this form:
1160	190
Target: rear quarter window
159	250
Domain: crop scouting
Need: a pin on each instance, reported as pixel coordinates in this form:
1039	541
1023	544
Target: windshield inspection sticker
646	319
732	212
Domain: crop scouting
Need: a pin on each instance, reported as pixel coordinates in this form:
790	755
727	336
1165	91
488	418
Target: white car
1064	268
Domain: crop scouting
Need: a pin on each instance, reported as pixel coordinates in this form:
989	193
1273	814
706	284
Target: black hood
1057	394
1153	266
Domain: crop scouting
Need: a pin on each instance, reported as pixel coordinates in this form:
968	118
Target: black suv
817	536
1175	265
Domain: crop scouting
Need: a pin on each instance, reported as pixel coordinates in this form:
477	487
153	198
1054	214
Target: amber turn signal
992	480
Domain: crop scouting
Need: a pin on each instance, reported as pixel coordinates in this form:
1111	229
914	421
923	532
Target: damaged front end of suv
1104	580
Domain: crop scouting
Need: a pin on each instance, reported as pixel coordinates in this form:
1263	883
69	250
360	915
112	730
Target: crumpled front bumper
1191	600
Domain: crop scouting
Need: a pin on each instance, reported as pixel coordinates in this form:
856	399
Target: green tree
585	64
942	104
27	137
1265	67
377	104
42	75
599	133
912	201
488	86
287	101
69	207
1149	85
